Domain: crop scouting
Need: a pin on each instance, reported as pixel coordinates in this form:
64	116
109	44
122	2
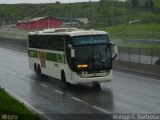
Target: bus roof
68	31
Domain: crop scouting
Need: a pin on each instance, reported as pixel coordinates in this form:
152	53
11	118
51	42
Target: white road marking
21	76
14	73
79	100
29	79
44	85
7	70
123	73
28	105
58	91
101	110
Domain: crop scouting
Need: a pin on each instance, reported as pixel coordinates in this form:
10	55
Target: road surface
127	93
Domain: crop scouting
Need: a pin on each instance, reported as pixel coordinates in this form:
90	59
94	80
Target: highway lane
125	94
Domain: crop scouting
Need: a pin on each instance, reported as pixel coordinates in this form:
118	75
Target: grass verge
140	45
134	31
13	33
10	108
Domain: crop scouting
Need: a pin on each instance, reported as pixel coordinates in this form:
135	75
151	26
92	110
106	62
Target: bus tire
38	72
63	79
35	67
97	86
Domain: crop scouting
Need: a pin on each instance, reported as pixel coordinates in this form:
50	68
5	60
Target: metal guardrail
139	55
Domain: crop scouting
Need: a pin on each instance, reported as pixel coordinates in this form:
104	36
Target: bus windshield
93	52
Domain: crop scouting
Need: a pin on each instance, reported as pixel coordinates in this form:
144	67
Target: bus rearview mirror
70	46
115	50
72	53
72	50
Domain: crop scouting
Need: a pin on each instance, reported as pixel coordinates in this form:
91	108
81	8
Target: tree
0	21
102	2
57	2
149	4
1	18
134	3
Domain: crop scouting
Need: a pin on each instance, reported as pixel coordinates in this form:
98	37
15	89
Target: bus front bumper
87	80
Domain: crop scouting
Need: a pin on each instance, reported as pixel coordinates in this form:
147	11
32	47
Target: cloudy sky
40	1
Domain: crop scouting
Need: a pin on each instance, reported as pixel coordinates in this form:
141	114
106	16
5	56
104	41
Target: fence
139	55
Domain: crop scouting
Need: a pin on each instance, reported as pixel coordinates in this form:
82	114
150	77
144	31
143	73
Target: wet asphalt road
127	93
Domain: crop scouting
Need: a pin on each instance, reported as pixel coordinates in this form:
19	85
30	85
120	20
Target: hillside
102	13
110	15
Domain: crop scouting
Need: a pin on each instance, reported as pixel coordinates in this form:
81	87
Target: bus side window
56	43
45	40
53	43
31	41
60	43
38	41
49	43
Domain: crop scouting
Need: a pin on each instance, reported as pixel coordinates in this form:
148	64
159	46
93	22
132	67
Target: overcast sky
40	1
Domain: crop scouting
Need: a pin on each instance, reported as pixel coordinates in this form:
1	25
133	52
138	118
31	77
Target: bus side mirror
72	50
72	53
69	46
115	51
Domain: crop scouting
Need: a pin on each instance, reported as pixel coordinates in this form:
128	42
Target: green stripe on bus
33	53
54	57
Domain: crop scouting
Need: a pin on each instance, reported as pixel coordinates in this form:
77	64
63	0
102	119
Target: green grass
150	46
111	16
127	32
14	33
10	106
135	31
101	13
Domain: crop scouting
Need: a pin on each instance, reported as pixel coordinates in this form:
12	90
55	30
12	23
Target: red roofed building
39	23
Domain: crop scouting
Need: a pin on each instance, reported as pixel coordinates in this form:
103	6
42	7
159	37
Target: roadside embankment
119	65
10	108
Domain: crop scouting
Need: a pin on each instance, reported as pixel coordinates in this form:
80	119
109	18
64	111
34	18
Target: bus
74	56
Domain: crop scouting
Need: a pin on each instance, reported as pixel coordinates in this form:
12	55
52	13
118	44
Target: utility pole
112	12
90	13
150	18
124	5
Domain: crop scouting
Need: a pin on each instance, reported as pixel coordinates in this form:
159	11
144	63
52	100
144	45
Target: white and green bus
72	55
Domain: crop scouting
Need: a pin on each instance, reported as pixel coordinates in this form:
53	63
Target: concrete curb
153	70
14	43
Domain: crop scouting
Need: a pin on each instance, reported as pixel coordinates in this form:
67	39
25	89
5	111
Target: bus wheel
97	86
38	72
63	79
35	67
